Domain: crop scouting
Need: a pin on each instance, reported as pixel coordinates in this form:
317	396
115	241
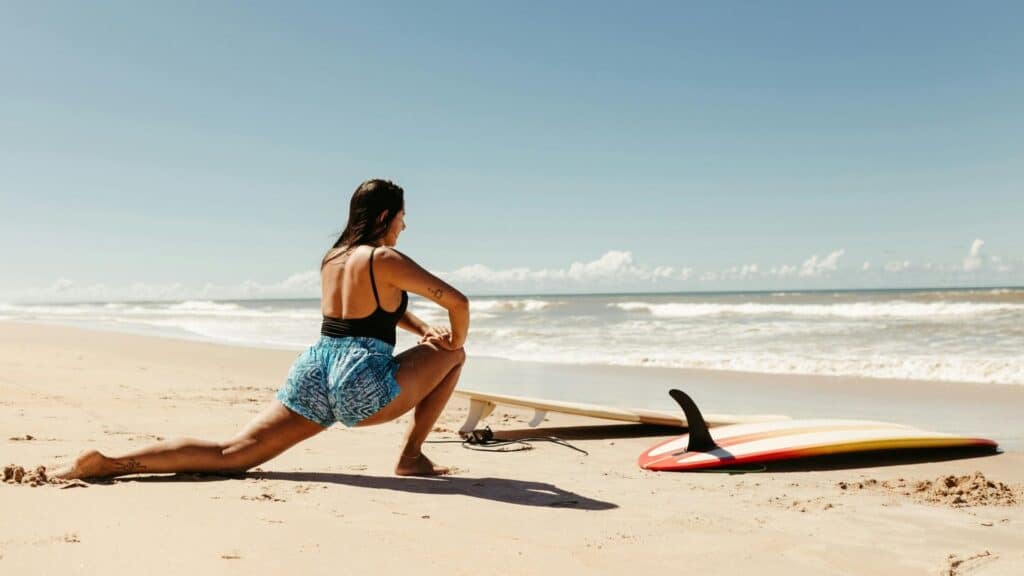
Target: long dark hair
371	199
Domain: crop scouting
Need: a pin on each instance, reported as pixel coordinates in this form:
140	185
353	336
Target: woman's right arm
400	271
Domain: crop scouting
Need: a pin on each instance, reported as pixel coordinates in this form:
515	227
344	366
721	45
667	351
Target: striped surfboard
786	440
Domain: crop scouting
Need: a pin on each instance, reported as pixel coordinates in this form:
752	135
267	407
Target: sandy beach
332	504
804	220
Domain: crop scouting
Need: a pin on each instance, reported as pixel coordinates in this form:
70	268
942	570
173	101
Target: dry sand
331	505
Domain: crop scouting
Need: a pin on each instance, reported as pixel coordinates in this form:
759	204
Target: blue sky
190	150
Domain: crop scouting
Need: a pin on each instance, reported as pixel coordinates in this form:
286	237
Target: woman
349	375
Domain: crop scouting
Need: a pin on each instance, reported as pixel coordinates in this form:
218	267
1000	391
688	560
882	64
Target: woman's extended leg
270	433
427	376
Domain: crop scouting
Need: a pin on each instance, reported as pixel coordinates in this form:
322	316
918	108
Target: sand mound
969	490
17	475
14	474
956	491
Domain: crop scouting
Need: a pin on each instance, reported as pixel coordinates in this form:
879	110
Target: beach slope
331	504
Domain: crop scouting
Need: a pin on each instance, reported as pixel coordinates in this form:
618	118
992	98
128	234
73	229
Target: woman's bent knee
454	358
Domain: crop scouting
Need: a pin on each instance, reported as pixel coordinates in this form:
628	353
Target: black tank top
380	324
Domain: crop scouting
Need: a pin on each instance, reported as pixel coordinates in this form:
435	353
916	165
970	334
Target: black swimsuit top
380	324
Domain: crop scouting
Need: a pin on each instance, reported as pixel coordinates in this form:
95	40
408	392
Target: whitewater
947	335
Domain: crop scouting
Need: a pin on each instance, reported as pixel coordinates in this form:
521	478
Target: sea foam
510	305
967	335
894	309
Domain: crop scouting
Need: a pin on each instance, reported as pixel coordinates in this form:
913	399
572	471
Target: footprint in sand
957	565
264	497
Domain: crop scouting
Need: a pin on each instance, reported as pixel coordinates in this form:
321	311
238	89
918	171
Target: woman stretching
349	375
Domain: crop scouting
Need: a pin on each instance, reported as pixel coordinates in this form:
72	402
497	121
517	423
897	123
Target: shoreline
333	499
965	408
956	407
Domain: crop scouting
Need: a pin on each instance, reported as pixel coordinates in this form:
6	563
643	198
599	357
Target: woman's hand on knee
445	342
440	337
435	333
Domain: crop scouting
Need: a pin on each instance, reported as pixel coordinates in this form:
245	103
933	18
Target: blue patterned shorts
341	380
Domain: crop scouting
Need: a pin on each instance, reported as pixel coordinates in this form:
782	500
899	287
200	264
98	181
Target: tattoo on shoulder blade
437	292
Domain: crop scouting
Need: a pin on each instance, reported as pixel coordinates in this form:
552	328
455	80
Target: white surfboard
481	404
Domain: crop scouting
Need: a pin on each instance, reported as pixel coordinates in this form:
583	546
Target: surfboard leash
482	440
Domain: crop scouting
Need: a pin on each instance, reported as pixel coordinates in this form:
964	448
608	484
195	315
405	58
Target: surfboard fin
700	438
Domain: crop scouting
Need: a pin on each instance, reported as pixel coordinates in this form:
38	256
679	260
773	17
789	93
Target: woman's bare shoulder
354	258
394	263
391	255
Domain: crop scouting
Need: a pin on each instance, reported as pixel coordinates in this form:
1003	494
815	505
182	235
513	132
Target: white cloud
664	272
478	273
973	260
65	289
782	271
613	270
299	285
614	265
302	281
897	265
812	267
670	273
304	284
740	272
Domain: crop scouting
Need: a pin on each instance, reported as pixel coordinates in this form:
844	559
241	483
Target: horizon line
585	294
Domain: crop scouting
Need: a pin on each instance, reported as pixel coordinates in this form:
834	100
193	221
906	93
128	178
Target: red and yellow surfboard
769	441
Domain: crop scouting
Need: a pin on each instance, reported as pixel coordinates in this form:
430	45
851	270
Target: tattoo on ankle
130	467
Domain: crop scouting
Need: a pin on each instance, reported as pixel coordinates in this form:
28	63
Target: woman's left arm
411	323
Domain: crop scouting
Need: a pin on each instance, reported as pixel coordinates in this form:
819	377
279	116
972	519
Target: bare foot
419	465
89	464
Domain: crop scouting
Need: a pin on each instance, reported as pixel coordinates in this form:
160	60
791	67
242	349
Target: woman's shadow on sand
524	493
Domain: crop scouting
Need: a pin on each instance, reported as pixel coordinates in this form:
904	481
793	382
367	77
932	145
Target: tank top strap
373	281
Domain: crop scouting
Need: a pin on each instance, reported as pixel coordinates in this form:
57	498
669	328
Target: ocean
948	335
